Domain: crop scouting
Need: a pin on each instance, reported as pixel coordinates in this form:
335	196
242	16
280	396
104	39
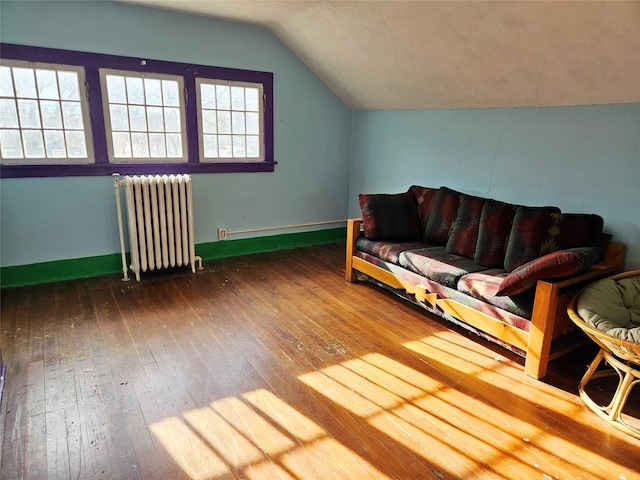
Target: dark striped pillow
493	233
426	197
464	235
390	216
443	214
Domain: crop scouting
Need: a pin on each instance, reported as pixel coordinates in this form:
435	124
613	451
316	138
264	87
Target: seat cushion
613	307
485	286
436	264
387	251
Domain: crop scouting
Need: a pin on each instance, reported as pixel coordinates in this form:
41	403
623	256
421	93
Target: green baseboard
246	246
60	270
71	269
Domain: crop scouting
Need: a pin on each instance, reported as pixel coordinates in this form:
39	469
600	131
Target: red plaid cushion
464	235
528	237
443	214
563	263
493	233
426	197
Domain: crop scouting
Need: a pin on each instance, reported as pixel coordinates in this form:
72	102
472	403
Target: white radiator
159	221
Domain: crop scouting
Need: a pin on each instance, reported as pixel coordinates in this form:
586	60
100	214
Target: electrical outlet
222	234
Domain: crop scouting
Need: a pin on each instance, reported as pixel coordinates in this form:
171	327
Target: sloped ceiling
398	55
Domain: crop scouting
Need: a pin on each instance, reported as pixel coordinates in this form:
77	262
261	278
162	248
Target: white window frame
200	81
84	109
99	161
104	72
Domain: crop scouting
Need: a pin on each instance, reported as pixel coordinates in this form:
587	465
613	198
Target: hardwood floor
273	367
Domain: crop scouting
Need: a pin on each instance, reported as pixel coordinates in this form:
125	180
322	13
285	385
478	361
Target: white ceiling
397	55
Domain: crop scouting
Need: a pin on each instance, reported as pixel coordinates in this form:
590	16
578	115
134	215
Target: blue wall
581	159
62	218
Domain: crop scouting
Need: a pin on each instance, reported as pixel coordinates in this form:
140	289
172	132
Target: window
230	120
65	113
42	114
144	116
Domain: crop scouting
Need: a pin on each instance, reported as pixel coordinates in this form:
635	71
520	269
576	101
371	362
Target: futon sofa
503	271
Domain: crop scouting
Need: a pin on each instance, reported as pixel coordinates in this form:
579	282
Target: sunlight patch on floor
188	450
495	377
455	431
257	436
458	416
403	403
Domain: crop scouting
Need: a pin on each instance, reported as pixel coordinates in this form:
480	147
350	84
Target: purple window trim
92	62
104	169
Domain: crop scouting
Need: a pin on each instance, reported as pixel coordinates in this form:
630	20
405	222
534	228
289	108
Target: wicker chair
623	359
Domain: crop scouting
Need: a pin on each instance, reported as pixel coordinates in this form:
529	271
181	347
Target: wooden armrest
353	232
547	302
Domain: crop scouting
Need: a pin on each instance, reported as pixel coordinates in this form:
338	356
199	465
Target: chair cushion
390	216
613	307
563	263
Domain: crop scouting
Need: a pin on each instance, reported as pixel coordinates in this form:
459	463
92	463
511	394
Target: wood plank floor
273	367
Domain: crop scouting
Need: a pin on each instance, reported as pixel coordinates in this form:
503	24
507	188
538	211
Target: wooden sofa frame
549	319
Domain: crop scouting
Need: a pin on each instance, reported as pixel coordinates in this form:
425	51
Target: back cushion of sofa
390	216
529	237
442	217
493	233
425	198
541	234
571	230
464	234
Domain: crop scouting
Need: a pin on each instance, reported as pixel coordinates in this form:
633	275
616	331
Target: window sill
95	169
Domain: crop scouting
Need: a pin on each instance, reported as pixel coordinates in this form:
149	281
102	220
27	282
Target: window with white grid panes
144	117
149	116
230	121
43	114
